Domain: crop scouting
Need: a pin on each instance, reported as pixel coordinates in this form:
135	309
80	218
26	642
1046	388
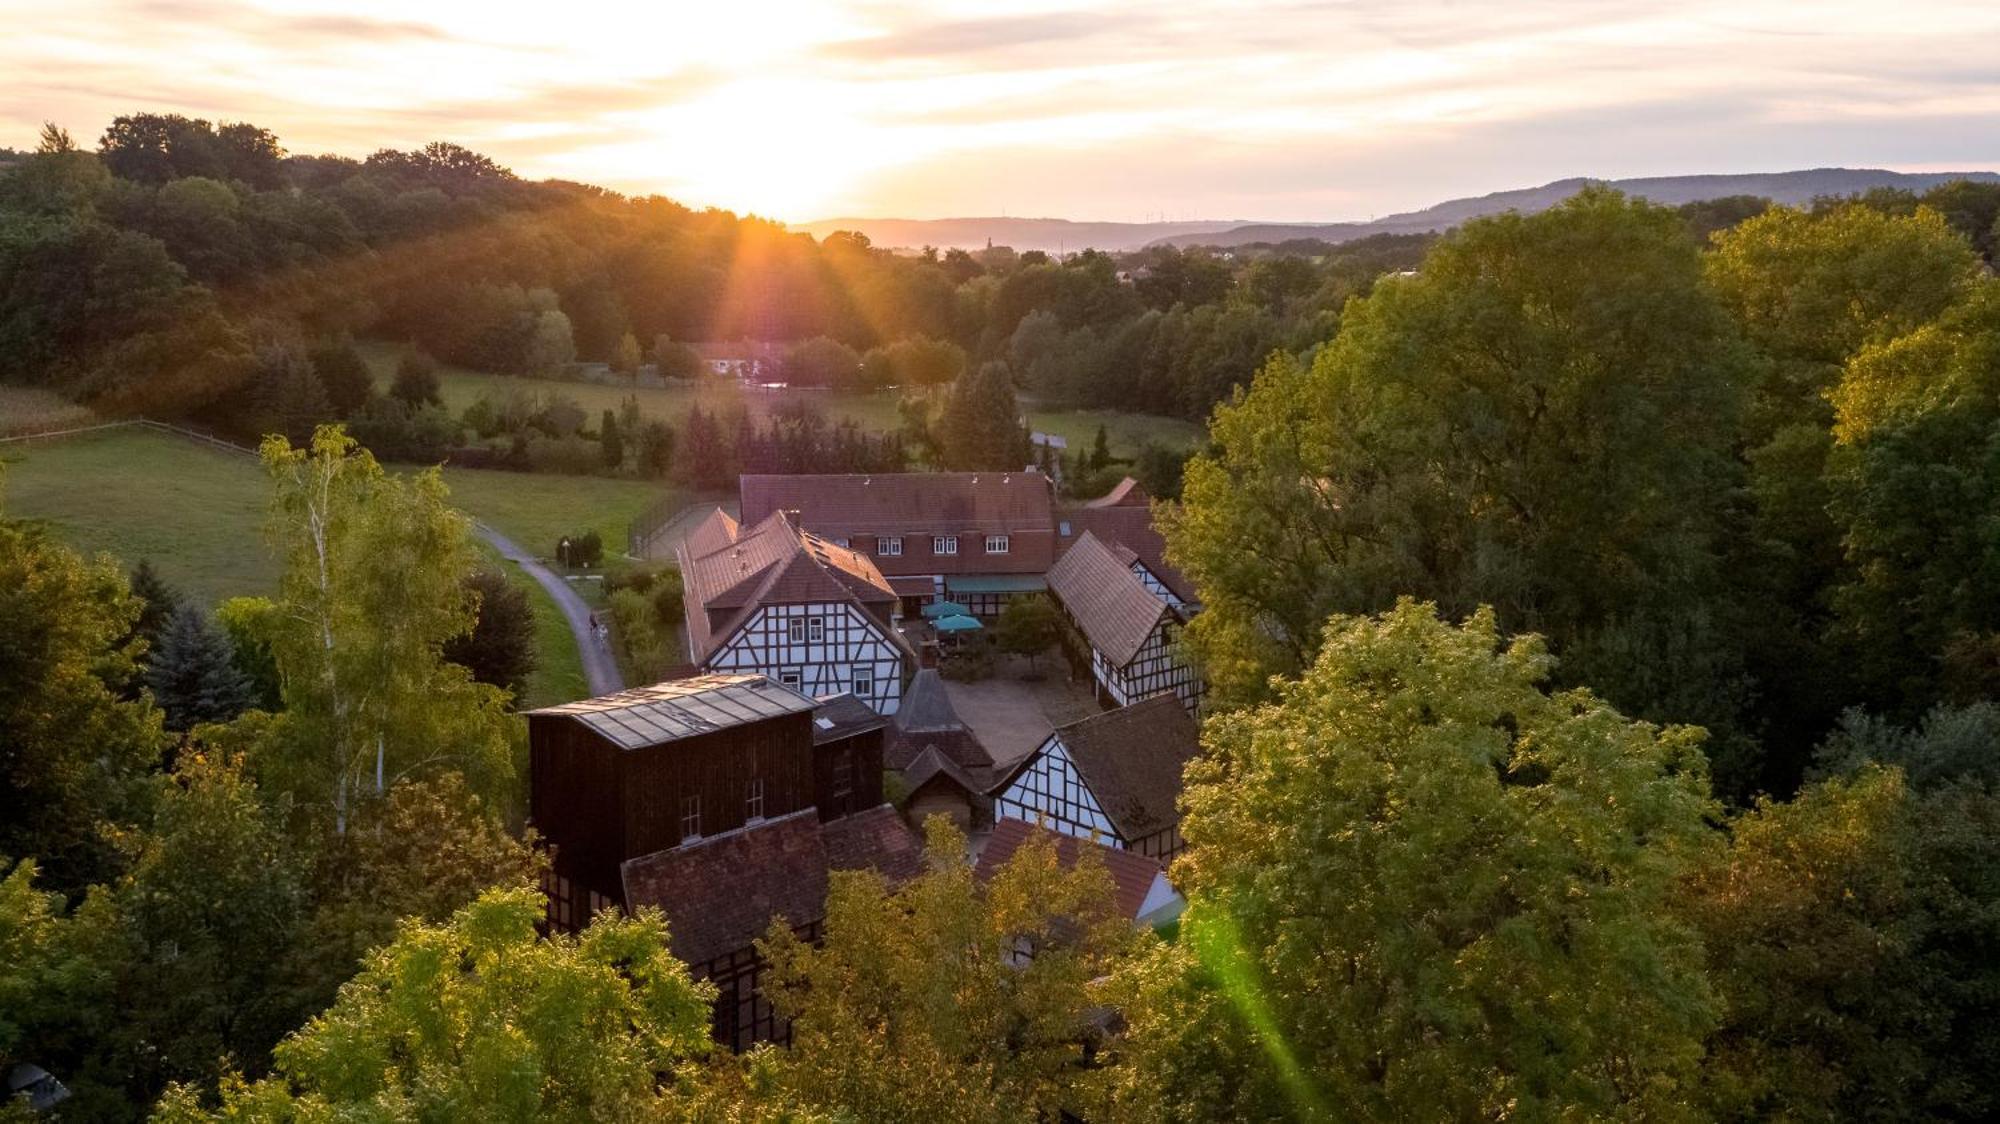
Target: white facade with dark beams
1113	778
1131	630
808	613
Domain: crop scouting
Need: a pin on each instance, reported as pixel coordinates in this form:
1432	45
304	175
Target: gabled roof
721	894
931	763
682	708
1132	758
1107	600
1123	518
904	502
1132	874
726	565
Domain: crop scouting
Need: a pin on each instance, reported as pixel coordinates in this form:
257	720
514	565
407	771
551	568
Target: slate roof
1131	759
925	720
726	565
721	894
904	502
843	716
682	708
1107	600
1132	874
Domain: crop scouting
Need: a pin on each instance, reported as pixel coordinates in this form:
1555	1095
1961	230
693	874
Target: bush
635	628
577	456
668	599
586	549
416	383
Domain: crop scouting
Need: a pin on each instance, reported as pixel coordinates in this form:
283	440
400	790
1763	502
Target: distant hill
1052	235
1056	235
1779	187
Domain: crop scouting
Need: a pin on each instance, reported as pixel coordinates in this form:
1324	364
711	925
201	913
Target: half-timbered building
978	538
1131	631
1140	890
724	800
773	599
1114	777
1122	519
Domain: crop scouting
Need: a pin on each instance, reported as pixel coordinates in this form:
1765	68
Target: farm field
198	513
872	411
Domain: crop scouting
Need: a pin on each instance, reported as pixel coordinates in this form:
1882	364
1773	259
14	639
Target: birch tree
373	588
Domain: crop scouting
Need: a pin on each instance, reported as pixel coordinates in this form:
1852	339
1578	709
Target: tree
74	748
500	648
1027	627
480	1017
920	1005
1421	885
611	441
1852	934
193	675
344	375
289	399
626	359
822	361
422	853
251	622
676	360
1543	419
549	345
980	424
158	602
1912	487
373	588
416	383
1100	449
656	448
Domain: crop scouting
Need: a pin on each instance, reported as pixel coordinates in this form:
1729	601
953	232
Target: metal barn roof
682	708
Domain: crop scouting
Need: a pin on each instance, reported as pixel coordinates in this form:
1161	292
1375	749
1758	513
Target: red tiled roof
896	503
1132	874
721	894
925	720
1128	493
1109	603
725	566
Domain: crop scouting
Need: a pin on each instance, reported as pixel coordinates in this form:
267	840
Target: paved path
600	671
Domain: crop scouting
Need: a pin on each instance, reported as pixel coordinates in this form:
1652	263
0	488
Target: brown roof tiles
1107	600
1132	874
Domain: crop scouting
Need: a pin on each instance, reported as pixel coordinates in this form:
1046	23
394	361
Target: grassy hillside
872	411
198	513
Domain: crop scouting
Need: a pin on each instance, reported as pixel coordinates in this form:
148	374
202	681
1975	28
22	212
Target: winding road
600	671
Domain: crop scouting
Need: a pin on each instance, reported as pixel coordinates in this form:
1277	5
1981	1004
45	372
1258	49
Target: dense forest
1598	607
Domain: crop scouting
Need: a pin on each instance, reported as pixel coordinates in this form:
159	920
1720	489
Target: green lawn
873	411
198	513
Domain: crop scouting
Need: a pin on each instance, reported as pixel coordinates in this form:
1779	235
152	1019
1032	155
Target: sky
1106	110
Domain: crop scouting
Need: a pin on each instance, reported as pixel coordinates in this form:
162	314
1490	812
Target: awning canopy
996	583
938	609
956	623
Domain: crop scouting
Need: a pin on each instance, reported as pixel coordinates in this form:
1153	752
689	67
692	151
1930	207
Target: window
790	678
996	544
753	804
944	544
1063	528
862	682
690	817
815	629
840	542
889	546
795	630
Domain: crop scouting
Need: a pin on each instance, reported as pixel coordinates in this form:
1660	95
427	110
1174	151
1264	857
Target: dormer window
889	546
996	544
944	544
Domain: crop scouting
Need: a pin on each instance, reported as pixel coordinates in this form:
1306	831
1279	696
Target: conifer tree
157	603
193	673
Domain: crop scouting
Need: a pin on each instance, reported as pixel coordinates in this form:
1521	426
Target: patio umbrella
957	622
938	609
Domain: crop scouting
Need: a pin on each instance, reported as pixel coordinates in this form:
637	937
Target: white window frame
795	630
815	630
889	546
690	816
861	680
753	801
1001	540
944	544
791	677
